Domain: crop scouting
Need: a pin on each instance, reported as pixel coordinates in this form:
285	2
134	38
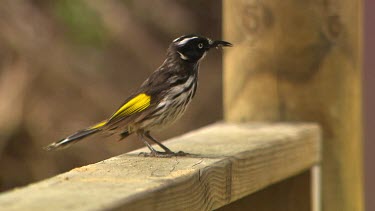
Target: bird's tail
74	138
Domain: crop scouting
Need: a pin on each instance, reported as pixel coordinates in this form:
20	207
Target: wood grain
295	61
228	162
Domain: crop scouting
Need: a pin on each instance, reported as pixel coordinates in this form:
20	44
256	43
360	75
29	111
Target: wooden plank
228	162
276	196
295	61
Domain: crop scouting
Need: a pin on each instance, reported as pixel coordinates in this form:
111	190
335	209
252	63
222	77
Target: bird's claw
181	153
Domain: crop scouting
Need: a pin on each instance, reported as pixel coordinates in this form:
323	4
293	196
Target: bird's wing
142	102
133	105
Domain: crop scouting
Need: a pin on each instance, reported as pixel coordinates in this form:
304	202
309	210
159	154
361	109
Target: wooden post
301	61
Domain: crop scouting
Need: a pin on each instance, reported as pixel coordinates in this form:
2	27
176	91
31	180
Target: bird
160	100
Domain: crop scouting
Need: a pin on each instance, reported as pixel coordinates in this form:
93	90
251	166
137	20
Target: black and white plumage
162	98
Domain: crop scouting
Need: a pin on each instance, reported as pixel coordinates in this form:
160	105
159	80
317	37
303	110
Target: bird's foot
157	154
163	154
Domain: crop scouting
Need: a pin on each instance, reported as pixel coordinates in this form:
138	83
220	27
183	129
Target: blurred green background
65	65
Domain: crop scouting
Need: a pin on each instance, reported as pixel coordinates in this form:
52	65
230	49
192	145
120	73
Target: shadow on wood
275	196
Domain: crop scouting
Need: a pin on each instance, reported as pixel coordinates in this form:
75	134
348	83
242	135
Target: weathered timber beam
227	162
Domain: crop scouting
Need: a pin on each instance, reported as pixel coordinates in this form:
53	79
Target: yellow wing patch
100	124
136	104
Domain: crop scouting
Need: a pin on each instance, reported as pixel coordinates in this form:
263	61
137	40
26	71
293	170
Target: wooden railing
227	162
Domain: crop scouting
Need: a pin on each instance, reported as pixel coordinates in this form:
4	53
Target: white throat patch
204	55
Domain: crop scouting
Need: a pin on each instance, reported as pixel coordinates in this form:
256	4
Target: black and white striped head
192	48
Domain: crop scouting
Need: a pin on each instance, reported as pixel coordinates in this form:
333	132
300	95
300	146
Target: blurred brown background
65	65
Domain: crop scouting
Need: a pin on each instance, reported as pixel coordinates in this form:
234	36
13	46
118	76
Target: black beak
220	43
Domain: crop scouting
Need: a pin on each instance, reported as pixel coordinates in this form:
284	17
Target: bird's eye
200	45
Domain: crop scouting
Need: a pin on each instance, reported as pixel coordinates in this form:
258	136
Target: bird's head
192	48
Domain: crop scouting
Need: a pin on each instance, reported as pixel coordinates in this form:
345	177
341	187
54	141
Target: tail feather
71	139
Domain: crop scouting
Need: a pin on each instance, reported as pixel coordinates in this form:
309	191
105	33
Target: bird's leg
154	153
166	149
